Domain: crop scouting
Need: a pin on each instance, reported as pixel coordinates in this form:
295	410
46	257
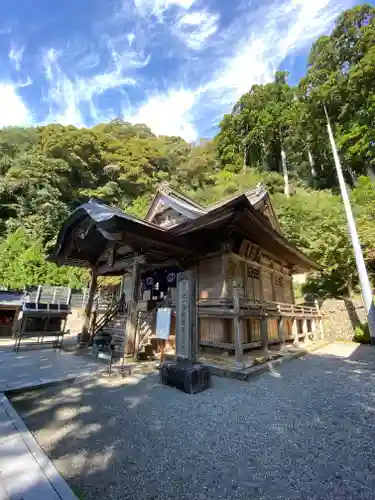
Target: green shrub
362	334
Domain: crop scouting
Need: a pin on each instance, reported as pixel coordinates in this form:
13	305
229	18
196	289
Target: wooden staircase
113	323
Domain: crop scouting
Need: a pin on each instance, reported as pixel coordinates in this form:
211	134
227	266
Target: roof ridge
257	190
167	189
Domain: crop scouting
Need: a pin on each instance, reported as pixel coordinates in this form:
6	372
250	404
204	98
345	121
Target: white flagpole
360	262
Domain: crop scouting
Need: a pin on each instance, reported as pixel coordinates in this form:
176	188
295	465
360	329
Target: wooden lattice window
253	287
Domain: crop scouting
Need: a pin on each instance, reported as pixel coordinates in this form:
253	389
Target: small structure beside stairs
241	262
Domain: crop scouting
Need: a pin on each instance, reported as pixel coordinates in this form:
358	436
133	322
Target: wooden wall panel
279	288
272	329
215	330
267	284
210	281
253	326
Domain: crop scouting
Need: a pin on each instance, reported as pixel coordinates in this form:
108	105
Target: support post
38	294
69	297
237	327
224	275
84	336
304	330
273	281
131	320
264	334
281	331
295	332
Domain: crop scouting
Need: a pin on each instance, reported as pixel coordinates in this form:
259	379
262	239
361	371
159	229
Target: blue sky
176	65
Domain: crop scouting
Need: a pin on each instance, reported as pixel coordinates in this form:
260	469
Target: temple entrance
159	285
158	298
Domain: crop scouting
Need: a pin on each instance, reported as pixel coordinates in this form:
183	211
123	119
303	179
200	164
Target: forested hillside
275	134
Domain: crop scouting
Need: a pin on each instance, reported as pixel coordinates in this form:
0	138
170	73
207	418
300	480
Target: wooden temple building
242	263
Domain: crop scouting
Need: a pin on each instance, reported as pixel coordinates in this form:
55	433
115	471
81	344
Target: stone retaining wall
341	316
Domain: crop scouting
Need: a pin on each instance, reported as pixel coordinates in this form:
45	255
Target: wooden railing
237	323
249	307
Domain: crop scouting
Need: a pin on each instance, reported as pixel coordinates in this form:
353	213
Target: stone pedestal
185	373
185	376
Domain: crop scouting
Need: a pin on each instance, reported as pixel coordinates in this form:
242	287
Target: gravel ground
305	431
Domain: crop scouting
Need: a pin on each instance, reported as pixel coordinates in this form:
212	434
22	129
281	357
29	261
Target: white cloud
67	94
158	7
168	114
194	28
13	109
130	37
268	36
15	56
203	62
249	52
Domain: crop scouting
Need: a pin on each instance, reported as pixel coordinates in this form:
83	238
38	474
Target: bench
57	342
110	347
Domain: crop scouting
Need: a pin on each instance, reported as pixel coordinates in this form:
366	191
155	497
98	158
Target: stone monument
185	373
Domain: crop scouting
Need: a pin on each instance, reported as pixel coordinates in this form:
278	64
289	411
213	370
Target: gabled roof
94	228
168	196
239	214
96	235
178	201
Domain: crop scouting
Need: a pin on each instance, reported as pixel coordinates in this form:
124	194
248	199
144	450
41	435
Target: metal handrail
109	314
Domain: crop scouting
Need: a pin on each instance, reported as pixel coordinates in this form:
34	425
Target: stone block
185	376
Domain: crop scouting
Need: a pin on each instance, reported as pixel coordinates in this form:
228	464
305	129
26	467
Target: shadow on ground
304	430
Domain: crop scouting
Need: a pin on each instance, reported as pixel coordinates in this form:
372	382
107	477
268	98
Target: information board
163	323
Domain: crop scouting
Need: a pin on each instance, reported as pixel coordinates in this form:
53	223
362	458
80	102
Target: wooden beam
295	332
237	326
281	331
129	333
273	281
264	334
224	275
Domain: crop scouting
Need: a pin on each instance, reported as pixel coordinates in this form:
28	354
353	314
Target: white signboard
163	323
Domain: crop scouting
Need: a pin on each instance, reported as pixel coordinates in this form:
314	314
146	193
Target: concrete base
185	376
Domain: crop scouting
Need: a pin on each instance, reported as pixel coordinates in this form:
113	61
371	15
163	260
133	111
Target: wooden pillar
264	334
261	283
237	327
304	330
224	275
131	320
273	281
295	332
85	334
281	331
